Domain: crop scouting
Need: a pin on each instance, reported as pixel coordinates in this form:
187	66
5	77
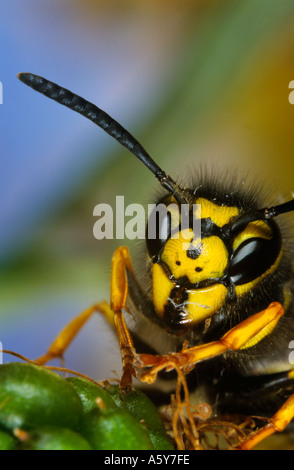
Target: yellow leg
66	336
277	424
234	339
121	262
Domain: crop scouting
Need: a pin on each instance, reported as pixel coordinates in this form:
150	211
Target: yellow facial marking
220	215
162	287
203	303
208	258
200	304
259	229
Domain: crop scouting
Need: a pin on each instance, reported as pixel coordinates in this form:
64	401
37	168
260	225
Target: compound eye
252	258
162	221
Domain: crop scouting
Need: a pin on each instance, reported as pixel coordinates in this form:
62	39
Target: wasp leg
234	339
276	424
121	264
66	336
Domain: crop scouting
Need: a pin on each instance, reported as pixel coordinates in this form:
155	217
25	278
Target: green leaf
144	410
115	429
31	395
89	392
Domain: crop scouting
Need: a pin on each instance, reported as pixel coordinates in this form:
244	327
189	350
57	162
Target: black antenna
106	122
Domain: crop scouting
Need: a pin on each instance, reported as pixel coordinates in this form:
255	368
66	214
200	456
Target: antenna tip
24	77
30	79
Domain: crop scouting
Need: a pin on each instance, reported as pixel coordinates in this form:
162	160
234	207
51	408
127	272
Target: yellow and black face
195	272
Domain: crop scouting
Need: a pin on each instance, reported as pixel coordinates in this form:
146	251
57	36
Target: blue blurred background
195	80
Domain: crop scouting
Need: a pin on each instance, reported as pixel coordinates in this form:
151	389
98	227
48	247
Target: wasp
221	302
